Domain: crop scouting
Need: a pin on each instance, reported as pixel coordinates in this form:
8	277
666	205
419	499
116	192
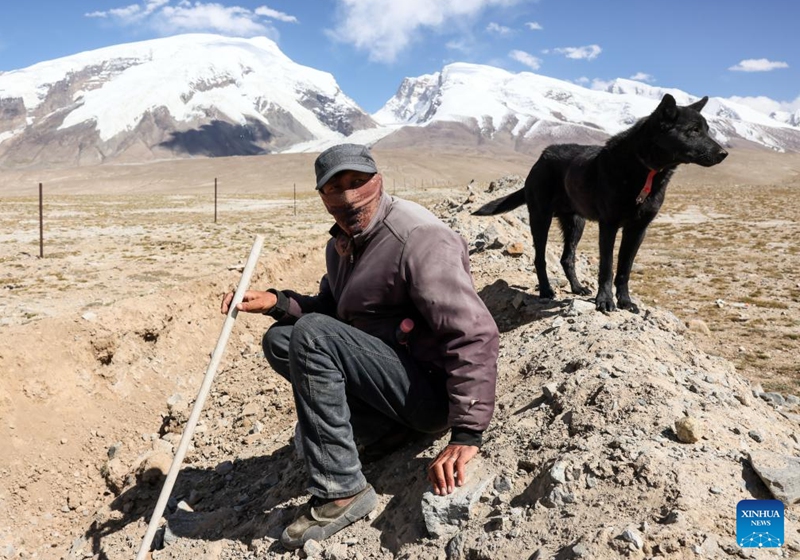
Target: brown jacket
408	264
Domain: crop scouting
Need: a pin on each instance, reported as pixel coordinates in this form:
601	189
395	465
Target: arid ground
132	257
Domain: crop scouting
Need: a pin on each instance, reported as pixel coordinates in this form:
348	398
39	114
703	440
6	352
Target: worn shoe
319	520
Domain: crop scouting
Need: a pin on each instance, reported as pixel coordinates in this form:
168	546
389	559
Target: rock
337	551
503	484
313	549
114	450
558	497
76	550
154	467
775	399
516	249
549	390
89	316
176	402
115	474
632	536
580	550
183	506
688	429
455	548
780	473
755	436
558	472
224	468
252	409
444	515
710	547
74	500
579	307
674	517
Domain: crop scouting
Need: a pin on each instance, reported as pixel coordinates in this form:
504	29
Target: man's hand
448	469
253	301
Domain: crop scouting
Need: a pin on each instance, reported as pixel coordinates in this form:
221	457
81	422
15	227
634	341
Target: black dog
620	185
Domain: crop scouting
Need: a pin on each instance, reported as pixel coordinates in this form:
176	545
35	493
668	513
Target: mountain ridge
201	95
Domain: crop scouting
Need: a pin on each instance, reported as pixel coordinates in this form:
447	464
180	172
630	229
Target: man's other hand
253	301
448	470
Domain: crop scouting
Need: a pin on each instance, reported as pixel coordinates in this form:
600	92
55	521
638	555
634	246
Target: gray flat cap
353	157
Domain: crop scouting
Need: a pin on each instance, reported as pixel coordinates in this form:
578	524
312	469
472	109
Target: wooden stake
186	438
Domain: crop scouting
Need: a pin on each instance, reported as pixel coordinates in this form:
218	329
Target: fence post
294	186
41	225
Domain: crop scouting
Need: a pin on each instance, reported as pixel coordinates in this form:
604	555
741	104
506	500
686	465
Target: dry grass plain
724	250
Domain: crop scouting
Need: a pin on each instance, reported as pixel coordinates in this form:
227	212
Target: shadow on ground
513	306
250	499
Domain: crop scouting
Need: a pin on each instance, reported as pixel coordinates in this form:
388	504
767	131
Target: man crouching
396	341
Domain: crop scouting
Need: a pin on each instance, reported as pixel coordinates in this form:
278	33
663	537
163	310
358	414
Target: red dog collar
648	186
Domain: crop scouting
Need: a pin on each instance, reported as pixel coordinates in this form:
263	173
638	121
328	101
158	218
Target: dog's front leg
632	237
605	296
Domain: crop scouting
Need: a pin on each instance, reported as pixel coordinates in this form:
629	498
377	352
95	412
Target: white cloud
583	80
642	77
268	12
497	28
459	45
196	16
589	52
384	28
758	65
533	26
767	105
527	59
226	19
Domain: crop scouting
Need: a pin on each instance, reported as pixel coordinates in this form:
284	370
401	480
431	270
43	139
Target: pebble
633	536
224	468
313	549
688	429
516	249
114	450
755	435
580	551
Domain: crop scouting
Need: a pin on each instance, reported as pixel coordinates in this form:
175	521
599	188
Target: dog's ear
698	105
667	109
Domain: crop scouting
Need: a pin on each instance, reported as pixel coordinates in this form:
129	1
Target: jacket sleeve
436	266
291	305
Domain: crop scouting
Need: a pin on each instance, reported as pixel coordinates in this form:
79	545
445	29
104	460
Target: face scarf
353	209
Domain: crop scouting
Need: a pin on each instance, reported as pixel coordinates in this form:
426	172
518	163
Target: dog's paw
605	304
581	291
547	293
628	305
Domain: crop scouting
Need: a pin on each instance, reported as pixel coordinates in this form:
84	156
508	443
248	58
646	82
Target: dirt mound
582	460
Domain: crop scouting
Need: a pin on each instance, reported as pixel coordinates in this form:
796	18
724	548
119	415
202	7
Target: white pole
188	431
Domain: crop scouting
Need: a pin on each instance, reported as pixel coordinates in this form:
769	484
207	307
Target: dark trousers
350	387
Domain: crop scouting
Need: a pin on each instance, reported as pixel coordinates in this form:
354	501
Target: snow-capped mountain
182	95
208	95
531	108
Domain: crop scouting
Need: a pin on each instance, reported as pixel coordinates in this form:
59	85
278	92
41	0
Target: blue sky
737	48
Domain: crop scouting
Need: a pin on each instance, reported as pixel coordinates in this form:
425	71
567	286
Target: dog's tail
514	200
